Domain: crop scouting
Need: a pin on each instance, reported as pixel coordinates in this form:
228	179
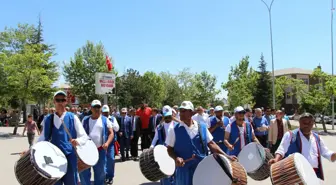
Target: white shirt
242	134
201	118
96	129
81	134
309	148
192	132
167	127
115	124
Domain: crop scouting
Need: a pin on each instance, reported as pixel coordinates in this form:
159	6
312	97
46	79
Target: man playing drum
306	142
99	129
188	144
217	127
238	133
110	162
54	132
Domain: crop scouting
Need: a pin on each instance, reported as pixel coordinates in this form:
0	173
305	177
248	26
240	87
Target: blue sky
169	35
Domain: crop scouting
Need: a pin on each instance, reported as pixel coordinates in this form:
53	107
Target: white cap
105	108
167	111
239	109
218	108
124	110
95	102
211	108
60	93
187	105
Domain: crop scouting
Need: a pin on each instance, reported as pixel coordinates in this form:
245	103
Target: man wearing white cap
110	162
125	134
161	132
99	129
189	140
238	133
53	131
218	123
200	116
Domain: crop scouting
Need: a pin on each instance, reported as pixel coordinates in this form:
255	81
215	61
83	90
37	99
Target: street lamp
269	8
332	58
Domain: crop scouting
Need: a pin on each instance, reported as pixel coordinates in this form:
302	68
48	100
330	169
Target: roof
289	71
64	86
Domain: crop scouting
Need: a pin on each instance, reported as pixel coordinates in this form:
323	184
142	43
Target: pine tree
263	93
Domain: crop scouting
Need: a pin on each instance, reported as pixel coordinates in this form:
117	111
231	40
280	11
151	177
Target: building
290	102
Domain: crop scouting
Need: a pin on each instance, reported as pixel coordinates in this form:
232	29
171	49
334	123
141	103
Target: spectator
144	112
31	128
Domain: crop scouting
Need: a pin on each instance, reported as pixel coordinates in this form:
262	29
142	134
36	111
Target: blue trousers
124	146
167	181
184	175
70	178
110	163
98	170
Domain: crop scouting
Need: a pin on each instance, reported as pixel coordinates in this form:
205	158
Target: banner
105	82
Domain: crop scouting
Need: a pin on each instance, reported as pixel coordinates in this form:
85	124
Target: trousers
70	178
124	146
110	162
98	170
134	145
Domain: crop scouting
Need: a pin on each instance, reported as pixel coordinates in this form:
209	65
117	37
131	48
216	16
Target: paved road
127	173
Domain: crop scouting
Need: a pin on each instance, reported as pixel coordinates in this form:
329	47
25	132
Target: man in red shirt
144	112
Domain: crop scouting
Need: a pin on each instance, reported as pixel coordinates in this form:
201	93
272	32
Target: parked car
318	119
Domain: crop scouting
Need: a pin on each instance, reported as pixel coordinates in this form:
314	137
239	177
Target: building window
305	81
288	96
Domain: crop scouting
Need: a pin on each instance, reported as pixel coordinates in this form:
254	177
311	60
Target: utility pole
332	59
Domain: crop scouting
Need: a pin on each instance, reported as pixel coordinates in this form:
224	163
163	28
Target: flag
109	64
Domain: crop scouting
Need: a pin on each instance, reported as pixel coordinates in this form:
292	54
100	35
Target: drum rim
263	158
79	153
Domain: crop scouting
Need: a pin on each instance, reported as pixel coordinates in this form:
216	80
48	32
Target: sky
169	35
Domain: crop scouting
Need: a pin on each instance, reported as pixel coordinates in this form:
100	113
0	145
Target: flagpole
332	59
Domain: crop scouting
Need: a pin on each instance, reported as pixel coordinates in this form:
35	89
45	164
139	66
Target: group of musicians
185	138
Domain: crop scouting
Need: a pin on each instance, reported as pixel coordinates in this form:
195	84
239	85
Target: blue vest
296	147
235	133
219	132
185	147
115	133
59	137
105	129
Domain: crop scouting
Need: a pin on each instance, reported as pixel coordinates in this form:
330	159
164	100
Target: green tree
241	84
154	89
263	93
173	92
206	91
186	80
80	71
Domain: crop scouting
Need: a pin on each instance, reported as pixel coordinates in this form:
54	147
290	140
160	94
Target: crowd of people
185	131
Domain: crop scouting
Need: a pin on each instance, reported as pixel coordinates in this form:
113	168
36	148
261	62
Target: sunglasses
60	100
96	107
168	117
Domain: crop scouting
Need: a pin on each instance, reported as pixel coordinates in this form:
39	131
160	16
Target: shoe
109	181
135	159
123	159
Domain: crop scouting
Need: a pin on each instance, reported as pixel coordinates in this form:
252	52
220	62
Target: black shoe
123	159
109	181
135	159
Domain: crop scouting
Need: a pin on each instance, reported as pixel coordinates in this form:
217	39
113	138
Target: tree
186	81
154	89
263	93
241	84
206	91
80	71
173	93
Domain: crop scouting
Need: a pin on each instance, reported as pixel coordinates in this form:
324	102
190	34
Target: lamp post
332	58
269	8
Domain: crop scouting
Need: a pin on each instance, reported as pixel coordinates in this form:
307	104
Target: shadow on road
150	183
7	135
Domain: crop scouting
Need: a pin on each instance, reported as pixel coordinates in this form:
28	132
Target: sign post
105	82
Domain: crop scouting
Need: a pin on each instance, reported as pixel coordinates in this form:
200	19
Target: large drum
43	164
87	155
219	170
254	159
294	169
156	164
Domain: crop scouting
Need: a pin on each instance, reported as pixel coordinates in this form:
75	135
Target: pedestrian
277	129
125	134
144	112
31	128
136	125
260	124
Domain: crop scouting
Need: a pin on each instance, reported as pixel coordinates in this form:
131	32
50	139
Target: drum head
88	153
49	159
166	163
209	172
252	157
305	170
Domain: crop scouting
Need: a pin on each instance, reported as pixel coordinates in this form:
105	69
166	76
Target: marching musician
238	133
161	132
53	131
188	144
99	129
110	162
217	127
306	142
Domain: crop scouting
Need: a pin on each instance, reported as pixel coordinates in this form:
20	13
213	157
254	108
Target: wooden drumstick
191	158
236	141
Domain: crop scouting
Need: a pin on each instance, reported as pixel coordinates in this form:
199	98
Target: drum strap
51	126
201	139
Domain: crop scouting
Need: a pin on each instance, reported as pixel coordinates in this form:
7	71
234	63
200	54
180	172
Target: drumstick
236	141
191	158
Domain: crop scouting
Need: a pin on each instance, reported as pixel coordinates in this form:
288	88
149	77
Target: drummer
110	162
217	127
54	132
238	133
187	138
161	132
306	142
99	129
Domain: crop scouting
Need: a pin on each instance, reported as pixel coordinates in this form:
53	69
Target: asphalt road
127	173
